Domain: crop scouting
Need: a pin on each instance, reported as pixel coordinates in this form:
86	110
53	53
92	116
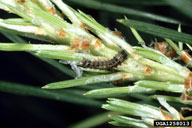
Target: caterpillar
119	58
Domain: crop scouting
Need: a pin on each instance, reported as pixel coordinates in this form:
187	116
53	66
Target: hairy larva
105	65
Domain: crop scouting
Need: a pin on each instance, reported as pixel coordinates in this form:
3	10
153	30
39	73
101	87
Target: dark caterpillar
105	65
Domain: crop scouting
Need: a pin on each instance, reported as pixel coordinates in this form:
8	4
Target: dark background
21	67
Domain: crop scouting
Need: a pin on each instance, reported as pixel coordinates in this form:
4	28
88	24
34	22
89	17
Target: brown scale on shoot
165	48
186	57
51	10
105	65
188	88
62	34
117	33
147	70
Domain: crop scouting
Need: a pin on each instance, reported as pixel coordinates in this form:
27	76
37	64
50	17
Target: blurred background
21	67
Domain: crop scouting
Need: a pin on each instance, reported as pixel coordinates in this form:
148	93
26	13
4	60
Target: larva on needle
105	65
